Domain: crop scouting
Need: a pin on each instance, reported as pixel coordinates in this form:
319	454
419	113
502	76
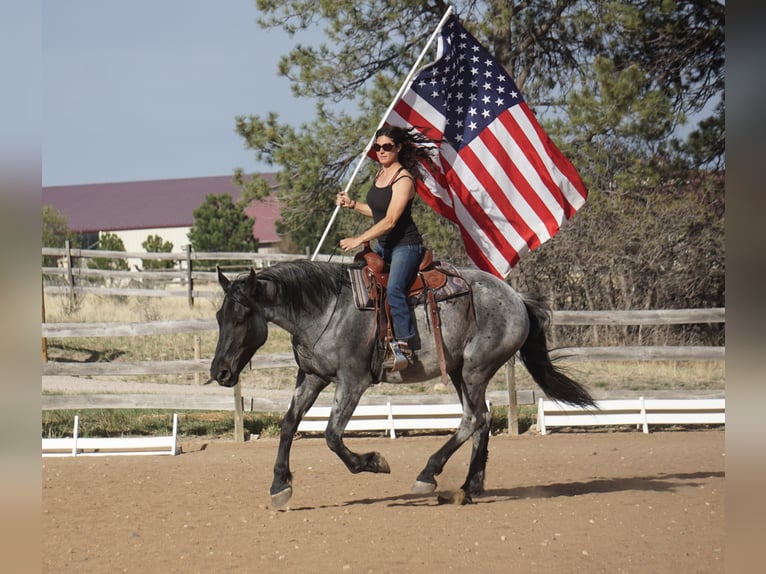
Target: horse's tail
534	354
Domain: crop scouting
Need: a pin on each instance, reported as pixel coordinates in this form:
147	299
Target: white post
75	433
405	85
540	416
175	434
391	427
644	418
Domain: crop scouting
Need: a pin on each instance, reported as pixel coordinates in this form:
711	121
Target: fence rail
579	354
184	277
286	360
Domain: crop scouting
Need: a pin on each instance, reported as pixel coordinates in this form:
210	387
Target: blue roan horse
333	341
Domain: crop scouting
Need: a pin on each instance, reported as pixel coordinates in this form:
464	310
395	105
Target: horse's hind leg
307	388
426	481
471	421
475	423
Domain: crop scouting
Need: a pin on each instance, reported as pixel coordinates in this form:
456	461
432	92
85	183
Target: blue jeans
404	261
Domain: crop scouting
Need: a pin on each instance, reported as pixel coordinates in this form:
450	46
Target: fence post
513	408
239	414
189	279
69	275
197	355
45	339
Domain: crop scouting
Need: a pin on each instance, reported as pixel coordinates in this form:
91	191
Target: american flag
501	179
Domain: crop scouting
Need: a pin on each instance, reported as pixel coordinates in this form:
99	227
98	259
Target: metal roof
154	204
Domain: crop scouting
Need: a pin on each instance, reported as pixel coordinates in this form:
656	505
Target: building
134	210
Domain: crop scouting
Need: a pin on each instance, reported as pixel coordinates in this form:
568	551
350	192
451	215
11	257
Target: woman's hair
415	148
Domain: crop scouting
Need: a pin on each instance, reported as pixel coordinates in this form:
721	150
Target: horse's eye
240	312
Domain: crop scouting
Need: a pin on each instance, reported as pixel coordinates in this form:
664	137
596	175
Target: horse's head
242	327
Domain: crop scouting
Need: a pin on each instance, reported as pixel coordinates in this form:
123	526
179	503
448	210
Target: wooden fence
281	360
200	365
614	353
77	278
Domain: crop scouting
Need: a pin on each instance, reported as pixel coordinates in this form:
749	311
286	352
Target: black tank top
405	232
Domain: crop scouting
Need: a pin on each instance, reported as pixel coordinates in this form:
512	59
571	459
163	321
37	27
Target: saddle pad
454	287
361	294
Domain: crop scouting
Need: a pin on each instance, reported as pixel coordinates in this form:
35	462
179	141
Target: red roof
154	204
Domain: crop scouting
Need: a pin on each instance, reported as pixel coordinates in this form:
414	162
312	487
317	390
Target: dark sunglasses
384	147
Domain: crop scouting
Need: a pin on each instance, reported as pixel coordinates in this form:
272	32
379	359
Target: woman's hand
349	243
343	200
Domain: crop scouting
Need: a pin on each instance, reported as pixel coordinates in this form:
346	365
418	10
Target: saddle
434	282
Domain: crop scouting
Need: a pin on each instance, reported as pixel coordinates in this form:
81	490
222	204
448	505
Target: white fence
640	412
390	418
107	446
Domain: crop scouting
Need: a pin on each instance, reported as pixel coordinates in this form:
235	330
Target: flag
500	179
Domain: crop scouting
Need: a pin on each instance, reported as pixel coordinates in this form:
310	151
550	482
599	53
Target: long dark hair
416	148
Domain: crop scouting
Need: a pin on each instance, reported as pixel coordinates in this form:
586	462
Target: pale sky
150	89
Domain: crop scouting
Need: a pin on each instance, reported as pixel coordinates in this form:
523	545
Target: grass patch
141	422
527	416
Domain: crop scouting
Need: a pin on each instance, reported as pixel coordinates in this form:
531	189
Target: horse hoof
382	464
281	498
421	487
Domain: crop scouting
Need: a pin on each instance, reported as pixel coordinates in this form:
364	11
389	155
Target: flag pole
405	85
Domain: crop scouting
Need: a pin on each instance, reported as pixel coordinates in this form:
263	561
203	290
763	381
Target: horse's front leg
474	482
307	388
345	401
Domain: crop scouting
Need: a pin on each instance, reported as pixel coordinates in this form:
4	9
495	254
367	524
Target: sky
150	89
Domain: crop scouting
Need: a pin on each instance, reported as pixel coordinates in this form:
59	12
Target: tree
55	232
155	244
109	242
220	225
615	84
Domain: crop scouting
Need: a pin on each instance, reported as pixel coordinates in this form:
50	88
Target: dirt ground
618	502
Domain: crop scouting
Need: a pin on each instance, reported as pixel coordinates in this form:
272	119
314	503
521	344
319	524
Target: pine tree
614	84
220	225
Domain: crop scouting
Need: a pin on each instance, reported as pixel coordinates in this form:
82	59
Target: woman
389	203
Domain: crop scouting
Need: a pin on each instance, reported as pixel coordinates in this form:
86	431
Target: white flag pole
405	85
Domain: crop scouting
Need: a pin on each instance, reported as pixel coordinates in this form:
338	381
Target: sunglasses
384	147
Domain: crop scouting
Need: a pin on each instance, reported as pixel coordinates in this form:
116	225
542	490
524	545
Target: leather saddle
433	282
428	276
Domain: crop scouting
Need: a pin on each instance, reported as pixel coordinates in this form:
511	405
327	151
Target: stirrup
396	359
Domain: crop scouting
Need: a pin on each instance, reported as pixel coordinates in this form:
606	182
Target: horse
334	341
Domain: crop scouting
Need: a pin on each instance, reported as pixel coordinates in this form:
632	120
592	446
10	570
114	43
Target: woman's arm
402	192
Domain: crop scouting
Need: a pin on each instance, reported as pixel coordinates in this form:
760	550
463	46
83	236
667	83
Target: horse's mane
303	282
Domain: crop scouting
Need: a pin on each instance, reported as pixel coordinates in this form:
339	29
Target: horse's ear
223	281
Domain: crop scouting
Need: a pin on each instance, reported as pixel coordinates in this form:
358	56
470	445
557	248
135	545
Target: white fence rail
640	412
109	446
390	418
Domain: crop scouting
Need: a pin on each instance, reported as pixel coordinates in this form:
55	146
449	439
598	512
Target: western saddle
429	286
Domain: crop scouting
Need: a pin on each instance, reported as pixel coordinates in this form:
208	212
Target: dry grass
604	375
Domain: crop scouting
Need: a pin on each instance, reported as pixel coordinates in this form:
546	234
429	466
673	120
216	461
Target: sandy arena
617	502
